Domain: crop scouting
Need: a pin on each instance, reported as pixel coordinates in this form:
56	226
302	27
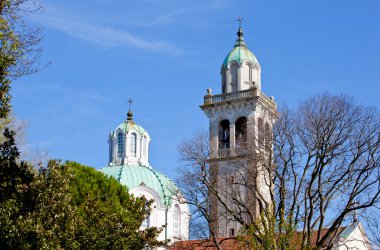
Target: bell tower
241	119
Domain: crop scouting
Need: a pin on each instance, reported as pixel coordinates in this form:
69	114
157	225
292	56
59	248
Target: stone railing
270	99
230	96
223	153
210	99
230	152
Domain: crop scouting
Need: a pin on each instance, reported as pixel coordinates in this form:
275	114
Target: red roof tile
233	243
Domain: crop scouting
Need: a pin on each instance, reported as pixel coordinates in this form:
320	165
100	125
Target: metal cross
240	20
130	103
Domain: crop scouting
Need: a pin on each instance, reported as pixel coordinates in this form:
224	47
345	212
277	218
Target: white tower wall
239	118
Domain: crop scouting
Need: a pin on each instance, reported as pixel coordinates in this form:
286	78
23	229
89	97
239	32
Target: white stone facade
240	76
356	239
129	164
240	120
176	216
123	153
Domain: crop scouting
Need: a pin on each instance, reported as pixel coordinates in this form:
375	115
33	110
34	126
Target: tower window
224	134
234	77
145	223
176	220
133	145
120	147
241	132
247	73
232	231
231	179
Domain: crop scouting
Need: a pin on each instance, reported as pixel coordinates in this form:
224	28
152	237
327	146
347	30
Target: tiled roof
233	243
224	243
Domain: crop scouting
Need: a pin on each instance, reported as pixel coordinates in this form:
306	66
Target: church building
241	119
129	164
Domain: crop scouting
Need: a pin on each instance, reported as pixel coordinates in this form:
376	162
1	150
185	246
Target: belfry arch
241	132
241	119
224	134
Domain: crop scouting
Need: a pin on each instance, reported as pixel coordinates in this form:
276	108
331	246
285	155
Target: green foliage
18	51
15	177
67	206
62	206
16	192
110	217
36	212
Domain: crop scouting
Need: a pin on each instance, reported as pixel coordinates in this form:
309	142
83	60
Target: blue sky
165	54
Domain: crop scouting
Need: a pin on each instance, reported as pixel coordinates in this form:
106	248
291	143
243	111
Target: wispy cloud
163	19
56	89
194	8
86	26
105	36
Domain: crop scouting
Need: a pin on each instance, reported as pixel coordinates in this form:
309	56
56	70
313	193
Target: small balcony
252	92
231	152
230	96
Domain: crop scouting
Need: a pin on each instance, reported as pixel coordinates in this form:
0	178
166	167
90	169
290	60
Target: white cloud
105	36
195	7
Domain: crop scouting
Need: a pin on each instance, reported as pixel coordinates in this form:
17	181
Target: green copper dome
135	175
131	125
240	52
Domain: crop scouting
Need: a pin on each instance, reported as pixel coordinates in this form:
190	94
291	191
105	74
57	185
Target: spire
240	40
130	113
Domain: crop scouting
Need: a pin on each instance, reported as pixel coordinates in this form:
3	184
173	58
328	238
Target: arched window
247	73
133	145
176	220
234	77
224	134
120	148
145	223
241	132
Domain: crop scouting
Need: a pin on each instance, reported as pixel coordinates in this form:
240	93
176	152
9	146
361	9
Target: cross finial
130	103
240	20
130	113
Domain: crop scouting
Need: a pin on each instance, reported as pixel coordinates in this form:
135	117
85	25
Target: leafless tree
371	218
19	51
193	182
32	154
319	167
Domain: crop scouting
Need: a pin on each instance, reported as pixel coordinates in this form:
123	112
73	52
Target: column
232	139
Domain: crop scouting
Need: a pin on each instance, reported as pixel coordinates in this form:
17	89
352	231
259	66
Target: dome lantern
240	69
129	143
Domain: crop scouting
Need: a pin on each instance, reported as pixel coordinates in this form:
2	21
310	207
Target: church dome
134	176
129	144
130	125
240	52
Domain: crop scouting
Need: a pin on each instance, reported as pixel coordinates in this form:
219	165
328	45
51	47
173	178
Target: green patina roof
135	175
348	230
131	125
240	52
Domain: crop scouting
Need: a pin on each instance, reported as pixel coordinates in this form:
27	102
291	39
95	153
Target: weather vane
130	103
240	20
